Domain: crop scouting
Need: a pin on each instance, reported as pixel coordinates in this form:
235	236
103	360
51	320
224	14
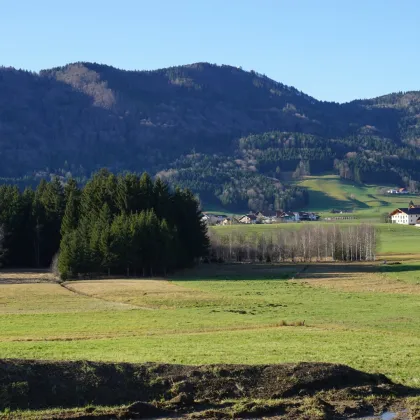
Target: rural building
213	219
248	219
405	216
398	191
304	216
229	221
267	216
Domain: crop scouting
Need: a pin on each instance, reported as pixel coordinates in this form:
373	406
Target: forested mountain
233	137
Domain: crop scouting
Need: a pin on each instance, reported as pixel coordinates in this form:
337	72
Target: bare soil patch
304	390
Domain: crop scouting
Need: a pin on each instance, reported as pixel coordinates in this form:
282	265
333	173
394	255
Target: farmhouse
405	216
266	216
248	219
214	219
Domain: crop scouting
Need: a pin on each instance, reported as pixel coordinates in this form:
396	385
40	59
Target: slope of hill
327	192
234	137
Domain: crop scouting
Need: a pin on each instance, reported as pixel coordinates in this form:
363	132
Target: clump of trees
305	244
116	224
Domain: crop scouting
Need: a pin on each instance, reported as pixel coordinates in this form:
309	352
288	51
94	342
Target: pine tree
161	199
107	257
146	192
71	214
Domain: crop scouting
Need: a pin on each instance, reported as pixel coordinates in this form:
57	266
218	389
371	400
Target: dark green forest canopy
234	137
114	224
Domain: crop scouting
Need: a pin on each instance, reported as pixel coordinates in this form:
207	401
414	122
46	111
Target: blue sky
333	50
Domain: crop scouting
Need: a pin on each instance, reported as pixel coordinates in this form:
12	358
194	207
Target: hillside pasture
329	192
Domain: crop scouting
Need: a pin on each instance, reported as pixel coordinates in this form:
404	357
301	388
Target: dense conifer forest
125	224
235	138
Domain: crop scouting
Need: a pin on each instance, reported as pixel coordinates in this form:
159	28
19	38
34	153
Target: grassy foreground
360	315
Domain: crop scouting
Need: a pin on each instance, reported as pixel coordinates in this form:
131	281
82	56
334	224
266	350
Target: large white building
405	216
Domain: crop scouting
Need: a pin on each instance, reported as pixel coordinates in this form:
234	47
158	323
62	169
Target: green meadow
366	315
363	315
392	239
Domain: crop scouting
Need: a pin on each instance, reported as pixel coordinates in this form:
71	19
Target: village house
229	221
288	217
214	219
266	216
398	191
406	216
304	216
248	219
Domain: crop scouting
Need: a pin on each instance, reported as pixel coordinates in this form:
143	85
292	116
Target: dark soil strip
26	384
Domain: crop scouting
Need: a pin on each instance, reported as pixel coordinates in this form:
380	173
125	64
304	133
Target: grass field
392	240
329	192
366	315
363	315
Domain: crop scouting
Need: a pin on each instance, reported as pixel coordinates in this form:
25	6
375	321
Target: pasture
368	201
364	315
393	239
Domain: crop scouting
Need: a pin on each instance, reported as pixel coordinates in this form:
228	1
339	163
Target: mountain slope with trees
234	137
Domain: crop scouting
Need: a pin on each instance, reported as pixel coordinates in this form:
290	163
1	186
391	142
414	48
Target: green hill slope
331	192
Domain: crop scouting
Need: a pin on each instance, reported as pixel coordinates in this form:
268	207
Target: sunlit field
363	315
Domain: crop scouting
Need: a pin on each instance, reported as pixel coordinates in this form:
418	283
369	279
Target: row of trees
305	244
115	224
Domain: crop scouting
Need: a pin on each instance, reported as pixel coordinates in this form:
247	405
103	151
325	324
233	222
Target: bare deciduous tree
305	244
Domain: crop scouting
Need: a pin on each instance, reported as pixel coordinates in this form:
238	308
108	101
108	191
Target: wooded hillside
234	137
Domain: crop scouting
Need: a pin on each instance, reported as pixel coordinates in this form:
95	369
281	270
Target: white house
405	216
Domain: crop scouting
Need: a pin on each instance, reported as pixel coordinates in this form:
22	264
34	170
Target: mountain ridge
204	126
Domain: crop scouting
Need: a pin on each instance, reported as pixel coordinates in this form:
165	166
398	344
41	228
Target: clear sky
331	49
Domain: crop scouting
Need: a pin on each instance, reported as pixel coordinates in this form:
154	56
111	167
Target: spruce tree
71	214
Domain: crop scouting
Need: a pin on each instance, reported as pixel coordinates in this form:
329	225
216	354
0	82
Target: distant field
330	191
392	239
363	315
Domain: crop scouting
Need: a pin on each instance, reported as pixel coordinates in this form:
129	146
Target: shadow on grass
281	272
321	201
358	204
380	201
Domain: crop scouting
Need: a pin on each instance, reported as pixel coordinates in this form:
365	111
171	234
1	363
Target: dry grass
356	279
144	294
46	298
25	276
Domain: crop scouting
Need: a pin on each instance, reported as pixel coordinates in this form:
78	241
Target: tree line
115	224
305	244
